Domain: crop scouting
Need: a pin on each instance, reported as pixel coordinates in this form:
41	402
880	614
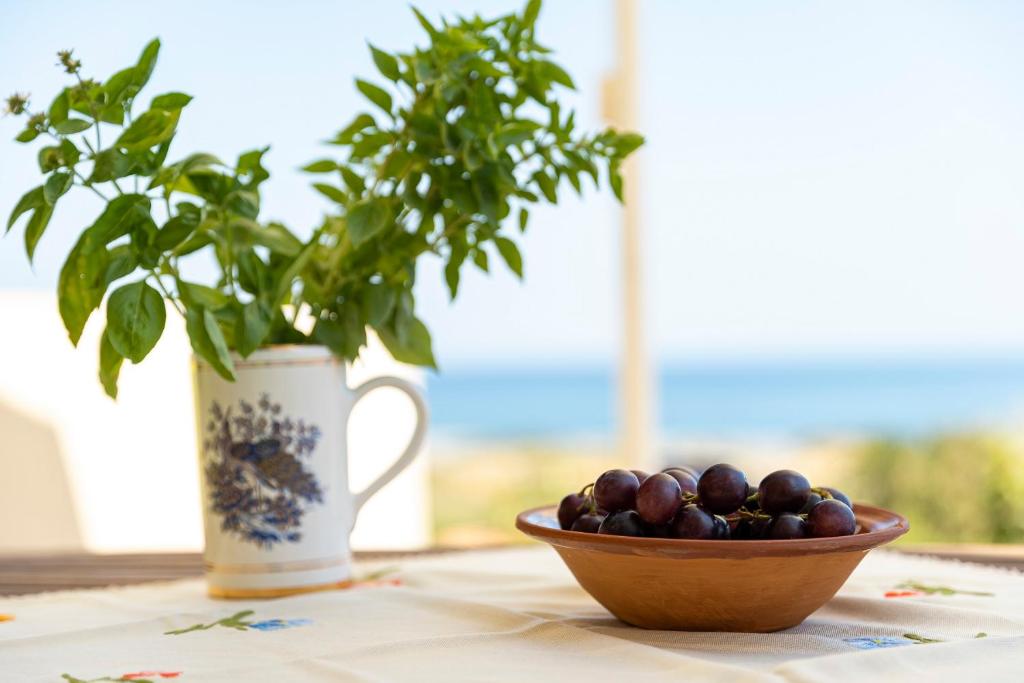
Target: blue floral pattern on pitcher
256	477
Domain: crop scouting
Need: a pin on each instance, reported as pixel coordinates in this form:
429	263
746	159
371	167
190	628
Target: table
26	574
504	615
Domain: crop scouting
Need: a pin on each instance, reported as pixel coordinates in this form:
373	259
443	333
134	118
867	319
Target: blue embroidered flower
279	624
865	643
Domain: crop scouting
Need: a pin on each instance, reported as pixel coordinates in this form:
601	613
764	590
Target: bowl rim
881	527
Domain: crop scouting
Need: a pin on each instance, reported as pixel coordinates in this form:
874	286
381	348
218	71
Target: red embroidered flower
902	594
149	674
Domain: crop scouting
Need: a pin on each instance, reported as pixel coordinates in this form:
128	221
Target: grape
722	530
783	491
722	489
625	523
812	500
838	495
751	529
787	525
641	476
658	499
588	523
693	522
687	482
615	490
684	468
571	507
831	518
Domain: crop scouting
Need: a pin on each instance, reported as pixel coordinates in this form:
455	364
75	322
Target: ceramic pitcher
273	462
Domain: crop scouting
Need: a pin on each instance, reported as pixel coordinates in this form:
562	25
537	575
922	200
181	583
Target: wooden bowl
690	585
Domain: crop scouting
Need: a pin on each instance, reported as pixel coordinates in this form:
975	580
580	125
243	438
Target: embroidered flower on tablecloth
279	624
877	642
137	677
6	617
913	589
239	623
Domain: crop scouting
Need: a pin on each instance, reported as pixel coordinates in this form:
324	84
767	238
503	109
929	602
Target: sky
820	178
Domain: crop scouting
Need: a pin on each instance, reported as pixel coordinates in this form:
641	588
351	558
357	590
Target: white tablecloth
515	615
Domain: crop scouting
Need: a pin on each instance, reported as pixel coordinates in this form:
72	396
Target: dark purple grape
588	523
693	522
838	495
625	523
641	476
787	525
658	499
687	482
831	518
812	500
751	529
571	507
783	491
722	489
616	490
722	530
684	468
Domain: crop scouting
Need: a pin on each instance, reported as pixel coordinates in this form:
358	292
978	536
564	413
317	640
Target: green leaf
331	192
344	336
208	342
530	13
35	228
200	295
121	262
627	143
273	236
72	126
251	164
27	135
149	130
81	285
171	101
524	217
110	365
552	72
427	26
386	64
615	180
414	349
480	259
253	327
353	180
110	164
58	112
321	166
510	252
452	269
377	302
135	320
176	231
122	215
375	94
359	124
56	185
253	276
32	199
144	67
366	219
546	185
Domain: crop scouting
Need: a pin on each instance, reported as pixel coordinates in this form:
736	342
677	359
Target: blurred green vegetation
963	488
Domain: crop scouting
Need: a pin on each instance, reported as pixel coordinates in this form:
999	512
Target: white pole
620	106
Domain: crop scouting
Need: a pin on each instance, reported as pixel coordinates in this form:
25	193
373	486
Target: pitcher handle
418	434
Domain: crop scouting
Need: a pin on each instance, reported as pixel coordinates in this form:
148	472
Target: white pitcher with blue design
273	461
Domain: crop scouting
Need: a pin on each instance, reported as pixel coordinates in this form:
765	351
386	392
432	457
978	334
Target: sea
784	399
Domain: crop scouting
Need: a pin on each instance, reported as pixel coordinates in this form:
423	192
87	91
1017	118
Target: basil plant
460	137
